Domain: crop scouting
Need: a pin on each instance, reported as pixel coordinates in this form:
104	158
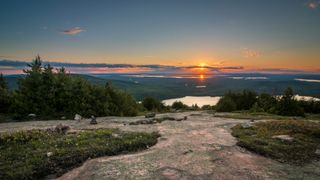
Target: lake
191	100
213	100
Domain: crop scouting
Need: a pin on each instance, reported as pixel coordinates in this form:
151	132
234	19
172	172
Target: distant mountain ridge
167	88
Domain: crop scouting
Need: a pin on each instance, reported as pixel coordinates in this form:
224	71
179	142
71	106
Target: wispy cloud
73	31
250	53
313	4
214	67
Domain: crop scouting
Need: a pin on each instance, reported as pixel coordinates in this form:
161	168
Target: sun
202	66
201	76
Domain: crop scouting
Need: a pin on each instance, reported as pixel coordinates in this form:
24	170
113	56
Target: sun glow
201	77
202	66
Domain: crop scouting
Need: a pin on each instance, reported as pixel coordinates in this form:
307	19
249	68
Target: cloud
313	5
213	67
73	31
250	53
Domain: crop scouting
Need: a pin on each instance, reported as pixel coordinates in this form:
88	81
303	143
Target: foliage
52	93
256	108
207	107
306	138
284	106
244	100
153	104
310	106
267	102
226	104
178	105
5	95
288	106
36	154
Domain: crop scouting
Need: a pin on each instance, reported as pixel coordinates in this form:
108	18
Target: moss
36	154
263	115
299	151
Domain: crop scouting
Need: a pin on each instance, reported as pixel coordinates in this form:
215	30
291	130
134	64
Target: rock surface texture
200	147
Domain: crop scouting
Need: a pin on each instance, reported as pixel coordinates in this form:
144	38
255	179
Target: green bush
179	105
288	106
226	104
5	96
153	104
267	102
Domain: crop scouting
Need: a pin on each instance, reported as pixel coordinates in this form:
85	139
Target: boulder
93	120
77	117
283	138
150	115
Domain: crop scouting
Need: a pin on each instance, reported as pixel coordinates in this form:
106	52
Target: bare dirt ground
199	148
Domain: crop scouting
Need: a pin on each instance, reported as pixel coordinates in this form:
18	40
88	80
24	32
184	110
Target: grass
263	115
35	154
301	150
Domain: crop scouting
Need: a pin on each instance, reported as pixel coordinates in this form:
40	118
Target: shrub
179	105
226	104
5	96
266	102
152	104
207	107
288	106
243	100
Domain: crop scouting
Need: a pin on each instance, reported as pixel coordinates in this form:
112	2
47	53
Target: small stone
283	138
317	152
188	151
150	115
115	135
32	115
77	117
93	120
63	118
246	125
49	154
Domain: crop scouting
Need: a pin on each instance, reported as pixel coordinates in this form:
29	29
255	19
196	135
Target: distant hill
165	88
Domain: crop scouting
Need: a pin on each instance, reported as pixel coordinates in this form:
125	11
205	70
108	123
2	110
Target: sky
250	35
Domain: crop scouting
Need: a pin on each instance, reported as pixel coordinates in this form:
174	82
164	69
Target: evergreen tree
5	96
288	106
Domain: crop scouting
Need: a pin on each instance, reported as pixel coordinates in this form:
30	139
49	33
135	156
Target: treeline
153	104
49	93
284	105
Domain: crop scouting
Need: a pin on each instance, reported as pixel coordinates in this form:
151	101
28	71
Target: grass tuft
259	139
35	154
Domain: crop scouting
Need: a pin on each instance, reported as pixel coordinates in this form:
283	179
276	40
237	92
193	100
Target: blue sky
248	33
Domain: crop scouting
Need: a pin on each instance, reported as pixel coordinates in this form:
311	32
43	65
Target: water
213	100
192	100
